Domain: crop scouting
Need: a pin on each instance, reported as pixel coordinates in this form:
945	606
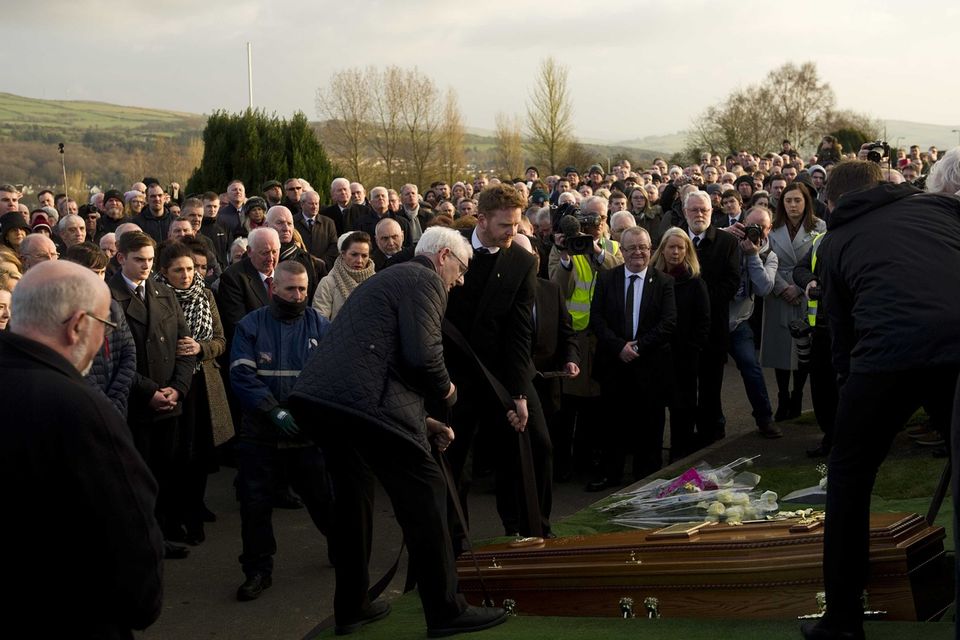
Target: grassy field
20	111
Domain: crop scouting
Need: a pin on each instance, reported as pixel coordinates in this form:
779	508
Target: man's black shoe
472	619
378	610
816	630
600	485
174	551
820	451
253	586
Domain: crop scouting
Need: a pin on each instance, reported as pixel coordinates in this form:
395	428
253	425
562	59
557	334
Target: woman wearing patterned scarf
206	421
352	267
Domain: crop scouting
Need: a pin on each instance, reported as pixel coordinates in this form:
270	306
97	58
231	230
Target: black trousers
711	423
823	384
633	422
357	451
873	407
259	466
474	409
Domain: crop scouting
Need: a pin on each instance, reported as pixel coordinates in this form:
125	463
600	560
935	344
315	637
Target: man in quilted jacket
366	395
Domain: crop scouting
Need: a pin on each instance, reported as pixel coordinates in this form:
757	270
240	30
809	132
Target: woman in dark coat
205	422
677	257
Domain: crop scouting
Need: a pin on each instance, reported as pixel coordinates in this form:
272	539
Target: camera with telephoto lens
802	334
877	151
569	220
754	233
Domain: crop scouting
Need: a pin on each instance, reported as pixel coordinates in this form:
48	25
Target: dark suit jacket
366	219
720	269
68	457
554	342
381	262
655	326
498	324
156	325
320	240
240	291
720	220
333	212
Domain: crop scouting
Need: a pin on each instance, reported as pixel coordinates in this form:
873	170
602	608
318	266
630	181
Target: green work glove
284	422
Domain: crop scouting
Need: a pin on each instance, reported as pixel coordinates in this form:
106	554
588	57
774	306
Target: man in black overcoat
85	554
163	377
493	312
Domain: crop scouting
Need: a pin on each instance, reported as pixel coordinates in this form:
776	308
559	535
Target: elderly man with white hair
280	218
72	459
71	230
944	177
720	269
37	248
247	285
388	248
366	218
341	207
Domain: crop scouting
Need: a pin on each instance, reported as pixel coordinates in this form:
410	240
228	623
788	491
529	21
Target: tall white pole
250	73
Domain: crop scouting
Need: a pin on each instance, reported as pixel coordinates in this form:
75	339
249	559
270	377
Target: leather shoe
771	431
376	610
174	551
817	630
600	485
472	619
253	586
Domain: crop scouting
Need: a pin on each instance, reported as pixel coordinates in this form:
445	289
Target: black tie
696	241
628	308
482	250
310	222
733	221
139	291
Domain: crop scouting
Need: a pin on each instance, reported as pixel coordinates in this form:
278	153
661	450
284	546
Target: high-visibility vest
584	280
812	304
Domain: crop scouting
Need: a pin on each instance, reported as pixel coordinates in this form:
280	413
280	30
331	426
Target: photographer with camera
758	272
579	253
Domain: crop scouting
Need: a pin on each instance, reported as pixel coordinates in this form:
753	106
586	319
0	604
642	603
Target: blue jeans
744	353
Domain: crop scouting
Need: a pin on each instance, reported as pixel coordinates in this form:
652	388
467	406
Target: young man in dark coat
163	377
889	282
68	460
493	312
369	379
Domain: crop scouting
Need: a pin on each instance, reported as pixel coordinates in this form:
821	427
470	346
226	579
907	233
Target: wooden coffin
752	571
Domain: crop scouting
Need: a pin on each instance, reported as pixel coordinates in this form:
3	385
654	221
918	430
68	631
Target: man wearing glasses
633	314
72	460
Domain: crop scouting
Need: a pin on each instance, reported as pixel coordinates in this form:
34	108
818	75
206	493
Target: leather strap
532	503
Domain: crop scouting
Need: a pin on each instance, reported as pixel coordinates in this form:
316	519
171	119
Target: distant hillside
19	113
943	136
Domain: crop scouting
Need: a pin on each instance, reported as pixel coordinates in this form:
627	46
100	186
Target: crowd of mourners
218	298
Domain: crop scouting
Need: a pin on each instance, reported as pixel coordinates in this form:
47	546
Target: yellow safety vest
584	280
812	304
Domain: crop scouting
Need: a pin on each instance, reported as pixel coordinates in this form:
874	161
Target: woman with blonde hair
677	257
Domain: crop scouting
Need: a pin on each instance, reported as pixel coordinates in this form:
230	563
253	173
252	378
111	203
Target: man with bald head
280	219
73	461
37	248
388	249
319	233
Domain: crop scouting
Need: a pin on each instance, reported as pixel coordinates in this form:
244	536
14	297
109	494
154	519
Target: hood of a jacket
854	204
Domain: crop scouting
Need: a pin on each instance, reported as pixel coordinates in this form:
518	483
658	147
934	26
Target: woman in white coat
794	227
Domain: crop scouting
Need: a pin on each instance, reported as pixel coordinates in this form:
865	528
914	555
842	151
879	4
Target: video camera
569	221
877	151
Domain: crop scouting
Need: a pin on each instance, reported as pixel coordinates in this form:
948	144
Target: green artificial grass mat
406	621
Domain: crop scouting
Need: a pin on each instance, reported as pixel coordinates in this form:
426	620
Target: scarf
196	307
347	279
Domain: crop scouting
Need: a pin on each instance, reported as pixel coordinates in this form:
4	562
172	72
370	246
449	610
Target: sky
636	68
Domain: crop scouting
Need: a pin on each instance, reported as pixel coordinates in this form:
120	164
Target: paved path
199	599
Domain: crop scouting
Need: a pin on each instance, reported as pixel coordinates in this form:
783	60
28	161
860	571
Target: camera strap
532	504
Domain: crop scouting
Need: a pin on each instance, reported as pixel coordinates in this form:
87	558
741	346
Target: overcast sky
636	67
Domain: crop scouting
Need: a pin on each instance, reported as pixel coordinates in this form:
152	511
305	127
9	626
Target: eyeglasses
636	248
463	266
109	326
